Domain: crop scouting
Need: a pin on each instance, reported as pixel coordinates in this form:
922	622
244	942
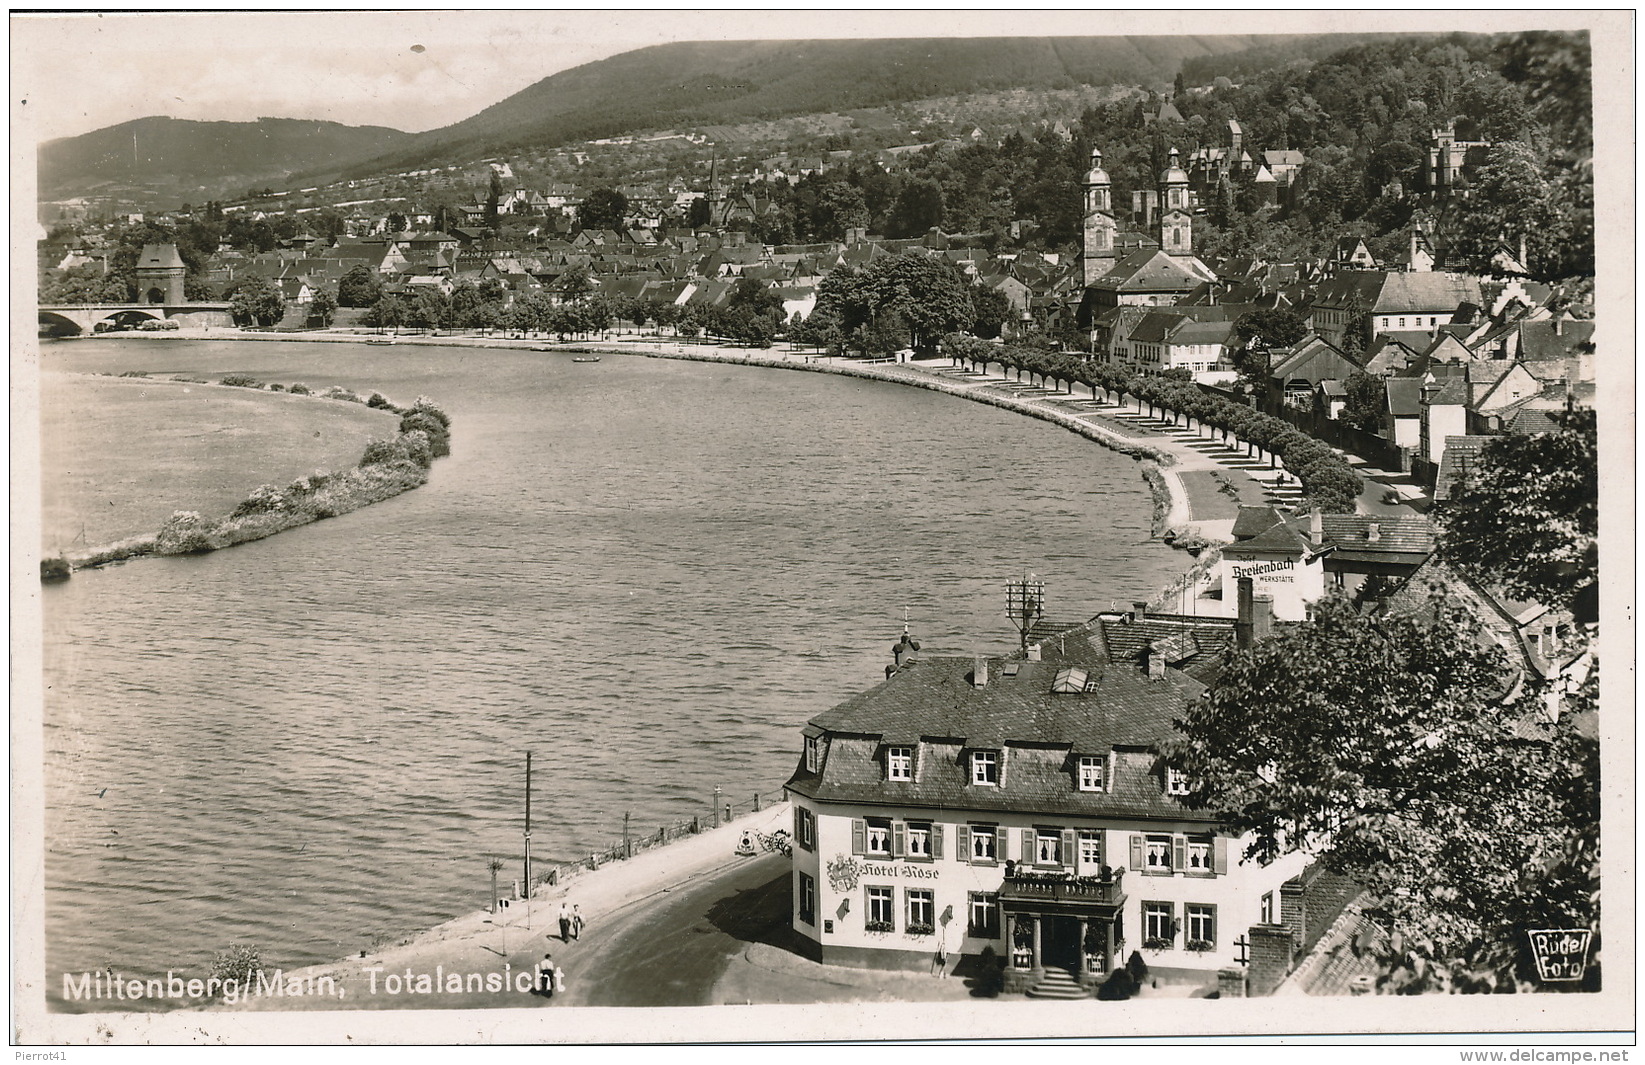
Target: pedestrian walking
565	924
576	922
545	976
939	964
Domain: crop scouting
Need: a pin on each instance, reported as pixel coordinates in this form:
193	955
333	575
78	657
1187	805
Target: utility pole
528	839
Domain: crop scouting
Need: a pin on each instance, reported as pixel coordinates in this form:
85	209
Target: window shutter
1002	850
899	839
799	824
859	836
936	841
1028	846
1219	855
1179	853
1070	847
1136	853
962	835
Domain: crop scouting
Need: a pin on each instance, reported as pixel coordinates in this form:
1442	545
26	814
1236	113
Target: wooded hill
184	154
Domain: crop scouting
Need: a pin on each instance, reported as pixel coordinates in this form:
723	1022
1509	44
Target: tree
603	208
494	193
700	214
927	297
1382	747
85	283
396	222
323	306
1367	401
992	311
389	312
359	287
755	297
1527	514
919	207
254	299
1261	331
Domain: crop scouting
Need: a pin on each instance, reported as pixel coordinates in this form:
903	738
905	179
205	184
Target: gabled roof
1252	520
1151	270
1396	535
1427	292
1405	397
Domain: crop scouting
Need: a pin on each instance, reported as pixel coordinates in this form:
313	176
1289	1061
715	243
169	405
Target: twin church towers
1173	228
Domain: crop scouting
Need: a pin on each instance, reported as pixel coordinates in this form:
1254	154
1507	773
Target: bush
55	569
378	401
135	373
276	388
1137	967
238	380
300	389
264	500
991	973
439	440
184	533
240	963
384	453
417	448
339	392
1119	986
424	405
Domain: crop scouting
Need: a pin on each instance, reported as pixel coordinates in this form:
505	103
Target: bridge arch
130	316
62	325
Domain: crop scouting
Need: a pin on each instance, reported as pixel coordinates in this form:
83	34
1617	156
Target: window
1197	858
899	763
1090	852
985	768
1176	782
1048	847
984	919
984	839
811	759
1402	323
808	899
919	839
805	828
1266	915
1202	926
1091	772
878	840
1159	926
879	917
921	912
1157	854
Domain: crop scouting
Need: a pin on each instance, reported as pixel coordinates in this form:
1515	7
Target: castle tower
1176	222
1100	227
160	272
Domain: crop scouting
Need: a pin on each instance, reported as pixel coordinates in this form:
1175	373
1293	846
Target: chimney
979	672
1139	608
1156	665
1559	325
1262	617
1523	258
1373	533
1033	652
1243	638
1316	526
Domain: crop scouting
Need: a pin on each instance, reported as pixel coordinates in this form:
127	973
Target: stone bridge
83	317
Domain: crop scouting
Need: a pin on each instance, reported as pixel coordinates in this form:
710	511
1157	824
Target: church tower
1100	227
1176	222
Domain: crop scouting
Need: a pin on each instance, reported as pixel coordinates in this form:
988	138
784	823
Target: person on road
565	924
545	975
576	922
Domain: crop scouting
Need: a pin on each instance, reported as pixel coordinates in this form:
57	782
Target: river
649	573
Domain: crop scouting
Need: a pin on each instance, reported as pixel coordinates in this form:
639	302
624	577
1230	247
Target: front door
1060	943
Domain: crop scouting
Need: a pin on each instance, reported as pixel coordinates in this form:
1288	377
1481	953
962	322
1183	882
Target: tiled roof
1280	537
1396	534
932	704
1149	270
1425	291
1461	454
1252	520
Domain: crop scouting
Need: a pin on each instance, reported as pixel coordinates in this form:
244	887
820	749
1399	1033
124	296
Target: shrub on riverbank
240	380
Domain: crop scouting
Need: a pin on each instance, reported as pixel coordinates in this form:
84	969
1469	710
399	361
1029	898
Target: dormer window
985	768
1091	772
1176	782
812	754
899	763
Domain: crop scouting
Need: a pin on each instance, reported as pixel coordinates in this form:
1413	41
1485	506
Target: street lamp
1025	604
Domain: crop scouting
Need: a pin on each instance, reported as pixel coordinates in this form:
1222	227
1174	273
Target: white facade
847	882
1292	581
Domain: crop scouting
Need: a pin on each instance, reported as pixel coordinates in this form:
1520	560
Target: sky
417	70
413	70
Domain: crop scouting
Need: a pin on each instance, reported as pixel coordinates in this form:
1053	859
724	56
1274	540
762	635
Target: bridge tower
160	273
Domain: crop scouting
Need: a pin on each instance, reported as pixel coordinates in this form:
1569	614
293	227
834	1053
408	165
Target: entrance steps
1058	983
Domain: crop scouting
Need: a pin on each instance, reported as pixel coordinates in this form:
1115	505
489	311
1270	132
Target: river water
648	573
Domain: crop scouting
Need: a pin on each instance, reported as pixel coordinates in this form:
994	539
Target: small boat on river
586	358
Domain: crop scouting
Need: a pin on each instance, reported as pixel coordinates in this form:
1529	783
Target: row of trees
1326	478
